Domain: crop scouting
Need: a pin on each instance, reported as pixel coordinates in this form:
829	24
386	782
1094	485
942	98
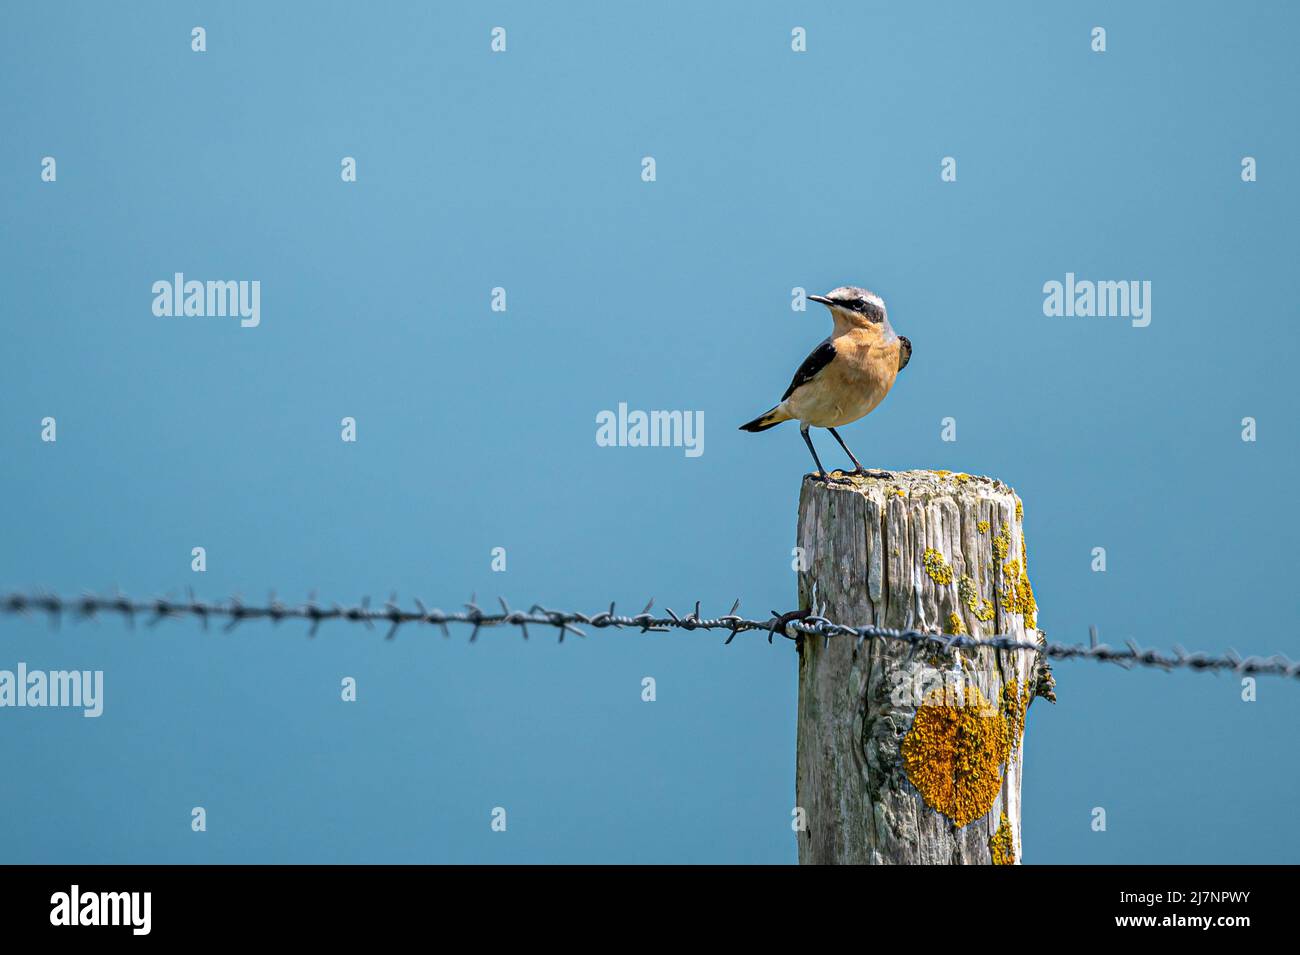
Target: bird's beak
820	298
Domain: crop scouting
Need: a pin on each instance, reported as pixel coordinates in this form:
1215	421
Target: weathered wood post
914	761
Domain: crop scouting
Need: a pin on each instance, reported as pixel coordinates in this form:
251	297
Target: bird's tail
767	419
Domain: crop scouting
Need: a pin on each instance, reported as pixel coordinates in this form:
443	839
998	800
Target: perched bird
846	376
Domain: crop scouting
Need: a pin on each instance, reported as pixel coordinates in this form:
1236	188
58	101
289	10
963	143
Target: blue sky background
476	429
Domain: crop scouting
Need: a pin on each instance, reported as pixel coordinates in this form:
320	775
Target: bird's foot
863	472
828	479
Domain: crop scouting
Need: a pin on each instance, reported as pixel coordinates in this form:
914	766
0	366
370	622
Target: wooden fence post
920	760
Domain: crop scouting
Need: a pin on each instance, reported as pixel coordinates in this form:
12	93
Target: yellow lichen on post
936	567
969	594
955	752
1014	707
1002	844
1001	544
1019	594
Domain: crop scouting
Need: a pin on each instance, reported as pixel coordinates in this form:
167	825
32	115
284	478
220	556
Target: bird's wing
904	352
821	357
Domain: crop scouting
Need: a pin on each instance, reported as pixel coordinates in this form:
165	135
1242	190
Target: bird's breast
850	387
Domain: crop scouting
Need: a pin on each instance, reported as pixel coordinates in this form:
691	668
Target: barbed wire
792	625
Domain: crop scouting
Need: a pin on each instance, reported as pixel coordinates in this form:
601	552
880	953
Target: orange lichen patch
1002	845
1019	594
955	625
955	751
936	567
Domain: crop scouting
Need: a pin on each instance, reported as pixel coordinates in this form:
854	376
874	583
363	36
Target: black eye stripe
871	310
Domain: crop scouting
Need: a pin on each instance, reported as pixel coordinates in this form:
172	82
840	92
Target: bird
845	377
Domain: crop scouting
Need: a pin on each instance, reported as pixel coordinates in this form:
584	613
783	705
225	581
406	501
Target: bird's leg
821	471
857	465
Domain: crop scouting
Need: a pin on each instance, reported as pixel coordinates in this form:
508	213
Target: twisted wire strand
792	625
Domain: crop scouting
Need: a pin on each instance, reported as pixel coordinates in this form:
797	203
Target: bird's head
855	306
